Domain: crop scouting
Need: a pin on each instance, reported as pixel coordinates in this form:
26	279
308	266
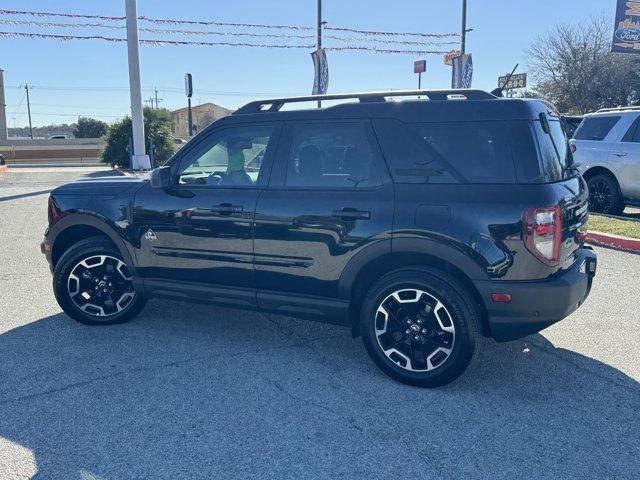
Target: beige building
203	115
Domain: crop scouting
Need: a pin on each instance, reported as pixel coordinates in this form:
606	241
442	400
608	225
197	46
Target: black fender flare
458	255
99	223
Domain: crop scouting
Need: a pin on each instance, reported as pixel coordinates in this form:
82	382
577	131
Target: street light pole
139	159
463	38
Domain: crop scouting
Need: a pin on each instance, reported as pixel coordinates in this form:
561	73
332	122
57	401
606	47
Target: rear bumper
538	304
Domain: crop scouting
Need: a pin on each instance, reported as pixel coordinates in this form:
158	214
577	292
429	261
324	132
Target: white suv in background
607	147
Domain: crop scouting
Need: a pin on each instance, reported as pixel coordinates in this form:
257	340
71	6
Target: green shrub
157	125
90	128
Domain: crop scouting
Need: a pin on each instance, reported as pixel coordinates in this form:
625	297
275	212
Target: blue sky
90	77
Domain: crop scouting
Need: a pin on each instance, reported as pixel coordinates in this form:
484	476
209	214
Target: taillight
542	231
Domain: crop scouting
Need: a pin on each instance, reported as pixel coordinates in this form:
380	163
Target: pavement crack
143	368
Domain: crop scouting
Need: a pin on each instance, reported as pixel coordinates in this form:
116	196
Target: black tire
95	249
460	312
604	195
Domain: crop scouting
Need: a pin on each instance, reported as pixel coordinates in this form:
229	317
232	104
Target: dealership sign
462	73
626	34
519	80
448	57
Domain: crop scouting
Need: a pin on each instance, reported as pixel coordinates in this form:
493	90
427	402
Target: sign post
626	34
419	67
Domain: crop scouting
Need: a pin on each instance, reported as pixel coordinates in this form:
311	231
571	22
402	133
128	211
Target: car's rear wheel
420	326
93	284
604	195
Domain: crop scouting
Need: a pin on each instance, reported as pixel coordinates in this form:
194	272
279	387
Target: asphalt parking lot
193	391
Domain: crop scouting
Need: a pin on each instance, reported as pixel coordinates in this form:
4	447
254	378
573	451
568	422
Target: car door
199	230
329	198
625	161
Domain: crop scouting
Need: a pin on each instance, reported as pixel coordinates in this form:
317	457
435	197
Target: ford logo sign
628	34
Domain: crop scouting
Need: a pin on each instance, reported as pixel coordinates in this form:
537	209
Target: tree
90	128
573	67
156	126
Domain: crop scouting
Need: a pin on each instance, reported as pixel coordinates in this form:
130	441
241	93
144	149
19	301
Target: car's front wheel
420	326
93	284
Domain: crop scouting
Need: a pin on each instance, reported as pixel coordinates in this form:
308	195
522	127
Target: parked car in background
606	146
58	137
372	215
571	124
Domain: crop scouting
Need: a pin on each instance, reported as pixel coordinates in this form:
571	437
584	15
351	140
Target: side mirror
161	177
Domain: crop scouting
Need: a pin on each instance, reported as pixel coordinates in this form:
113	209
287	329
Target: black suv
422	224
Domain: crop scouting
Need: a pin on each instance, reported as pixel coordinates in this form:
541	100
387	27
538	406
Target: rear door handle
349	213
620	154
227	209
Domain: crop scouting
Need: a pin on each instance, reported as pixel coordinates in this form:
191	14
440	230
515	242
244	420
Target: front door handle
620	154
349	213
227	209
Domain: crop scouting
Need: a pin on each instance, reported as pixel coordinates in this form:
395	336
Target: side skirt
323	309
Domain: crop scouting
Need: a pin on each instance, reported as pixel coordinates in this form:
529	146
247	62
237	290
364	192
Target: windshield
555	154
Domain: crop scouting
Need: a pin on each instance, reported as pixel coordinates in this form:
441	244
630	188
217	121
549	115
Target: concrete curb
614	241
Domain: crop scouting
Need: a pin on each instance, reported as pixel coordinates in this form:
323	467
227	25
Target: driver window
232	157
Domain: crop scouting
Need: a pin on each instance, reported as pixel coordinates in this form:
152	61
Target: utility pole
463	38
26	87
319	45
139	159
158	100
4	131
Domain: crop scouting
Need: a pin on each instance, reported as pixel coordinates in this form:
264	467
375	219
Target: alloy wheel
600	196
415	330
100	285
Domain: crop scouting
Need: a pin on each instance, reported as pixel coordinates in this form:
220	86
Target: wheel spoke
418	356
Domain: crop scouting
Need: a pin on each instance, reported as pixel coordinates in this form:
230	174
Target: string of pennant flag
433	40
164	31
156	42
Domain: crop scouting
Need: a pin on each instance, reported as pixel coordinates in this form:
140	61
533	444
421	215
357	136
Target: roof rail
617	109
275	104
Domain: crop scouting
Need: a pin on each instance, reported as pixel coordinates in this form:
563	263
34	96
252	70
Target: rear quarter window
452	152
596	128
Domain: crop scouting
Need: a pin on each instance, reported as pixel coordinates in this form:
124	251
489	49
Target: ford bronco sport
421	224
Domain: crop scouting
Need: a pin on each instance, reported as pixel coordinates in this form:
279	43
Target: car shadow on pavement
188	391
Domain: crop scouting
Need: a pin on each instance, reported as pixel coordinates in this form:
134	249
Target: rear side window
595	128
453	152
331	155
633	134
555	155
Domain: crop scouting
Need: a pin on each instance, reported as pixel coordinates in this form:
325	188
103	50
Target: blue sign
626	34
462	73
321	81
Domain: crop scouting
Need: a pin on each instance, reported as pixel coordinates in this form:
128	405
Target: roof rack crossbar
274	105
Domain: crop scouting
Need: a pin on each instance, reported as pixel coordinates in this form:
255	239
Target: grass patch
626	228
